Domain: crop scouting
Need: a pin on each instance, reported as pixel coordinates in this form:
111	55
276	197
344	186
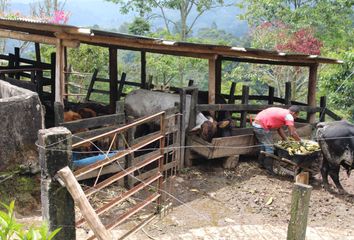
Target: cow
208	128
336	140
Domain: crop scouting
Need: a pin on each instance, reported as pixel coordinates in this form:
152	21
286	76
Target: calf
208	128
336	140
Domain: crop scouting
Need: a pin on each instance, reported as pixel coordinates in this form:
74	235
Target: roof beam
37	38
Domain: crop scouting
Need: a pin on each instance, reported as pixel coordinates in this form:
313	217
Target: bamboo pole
85	207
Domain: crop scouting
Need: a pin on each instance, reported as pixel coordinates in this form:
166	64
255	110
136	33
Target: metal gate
146	167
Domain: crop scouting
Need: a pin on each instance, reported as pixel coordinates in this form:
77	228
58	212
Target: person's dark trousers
265	139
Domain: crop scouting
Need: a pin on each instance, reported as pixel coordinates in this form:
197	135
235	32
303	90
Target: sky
86	13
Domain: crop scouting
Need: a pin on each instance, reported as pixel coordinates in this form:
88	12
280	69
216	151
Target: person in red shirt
274	118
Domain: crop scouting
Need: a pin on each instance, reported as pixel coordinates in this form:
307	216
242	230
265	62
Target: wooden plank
85	207
333	115
248	108
36	38
113	119
101	91
265	61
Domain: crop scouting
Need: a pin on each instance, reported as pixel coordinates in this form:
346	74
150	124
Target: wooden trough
243	142
230	148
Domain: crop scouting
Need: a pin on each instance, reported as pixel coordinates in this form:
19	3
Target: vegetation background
303	26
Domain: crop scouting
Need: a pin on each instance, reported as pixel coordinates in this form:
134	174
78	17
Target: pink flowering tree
60	17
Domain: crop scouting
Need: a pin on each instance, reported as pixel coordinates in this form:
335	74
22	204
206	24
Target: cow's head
208	130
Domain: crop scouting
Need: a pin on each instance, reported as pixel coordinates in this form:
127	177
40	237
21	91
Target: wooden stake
85	207
302	177
299	211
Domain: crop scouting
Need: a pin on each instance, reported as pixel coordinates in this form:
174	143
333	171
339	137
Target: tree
50	11
185	22
139	26
331	20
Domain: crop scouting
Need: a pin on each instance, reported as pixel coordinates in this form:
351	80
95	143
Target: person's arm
293	133
281	133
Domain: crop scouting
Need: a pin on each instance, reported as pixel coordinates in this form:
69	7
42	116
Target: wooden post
299	211
245	98
38	52
232	93
66	75
302	177
11	64
58	113
84	205
57	204
52	76
270	95
287	97
121	86
92	83
191	124
59	72
311	97
17	61
323	105
214	86
113	78
149	83
183	111
143	69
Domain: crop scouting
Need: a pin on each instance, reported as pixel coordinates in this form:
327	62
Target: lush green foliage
10	229
183	25
310	27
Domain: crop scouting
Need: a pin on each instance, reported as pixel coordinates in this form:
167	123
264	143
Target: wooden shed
64	36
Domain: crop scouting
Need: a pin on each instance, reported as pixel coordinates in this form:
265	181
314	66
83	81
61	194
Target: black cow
336	140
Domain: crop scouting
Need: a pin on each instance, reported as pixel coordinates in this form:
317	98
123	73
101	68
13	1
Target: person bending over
274	118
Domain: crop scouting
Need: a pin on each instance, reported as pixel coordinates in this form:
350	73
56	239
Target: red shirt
274	118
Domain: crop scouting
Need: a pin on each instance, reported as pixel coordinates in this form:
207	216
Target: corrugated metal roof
105	38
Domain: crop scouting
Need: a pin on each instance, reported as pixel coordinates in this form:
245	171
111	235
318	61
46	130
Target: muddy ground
209	196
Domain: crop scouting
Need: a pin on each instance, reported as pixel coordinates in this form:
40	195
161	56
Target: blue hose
89	160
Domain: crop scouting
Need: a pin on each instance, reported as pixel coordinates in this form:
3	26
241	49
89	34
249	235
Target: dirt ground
213	196
209	196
